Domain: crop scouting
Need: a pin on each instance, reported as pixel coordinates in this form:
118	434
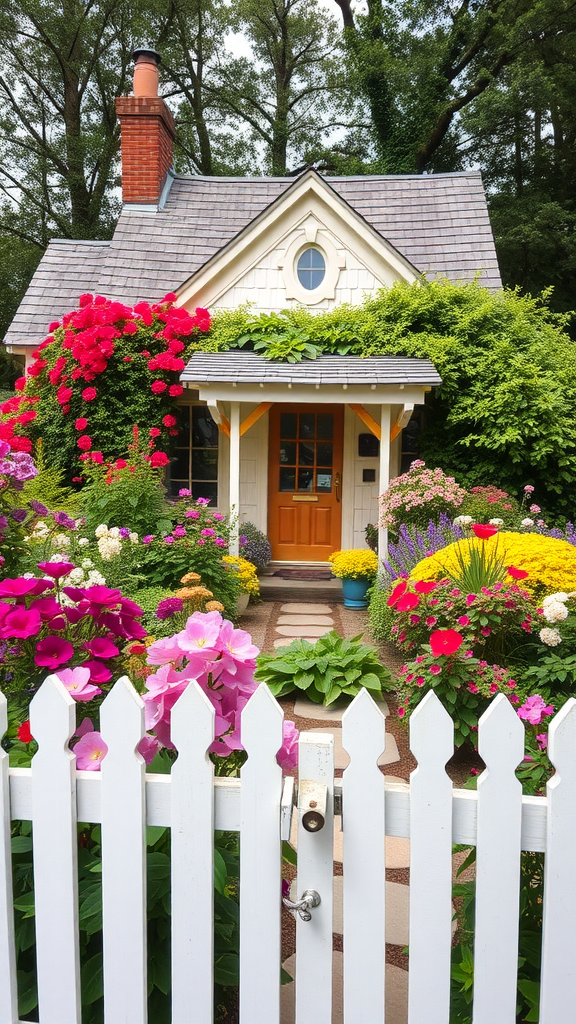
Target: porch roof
238	367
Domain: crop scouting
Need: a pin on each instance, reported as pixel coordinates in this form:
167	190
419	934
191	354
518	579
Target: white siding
254	471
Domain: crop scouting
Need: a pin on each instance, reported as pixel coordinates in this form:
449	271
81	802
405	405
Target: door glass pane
288	424
204	464
305	479
305	454
323	454
204	430
288	453
287	479
324	481
325	427
307	424
201	489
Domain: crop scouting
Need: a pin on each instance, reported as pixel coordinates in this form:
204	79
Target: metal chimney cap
147	52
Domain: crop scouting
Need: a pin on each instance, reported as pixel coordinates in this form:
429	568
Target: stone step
305	620
301	608
306	632
396	993
341	758
305	708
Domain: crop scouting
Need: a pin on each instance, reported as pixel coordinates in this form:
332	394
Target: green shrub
486	503
380	617
324	670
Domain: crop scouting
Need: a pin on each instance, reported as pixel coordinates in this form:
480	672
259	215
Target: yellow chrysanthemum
549	562
246	572
354	564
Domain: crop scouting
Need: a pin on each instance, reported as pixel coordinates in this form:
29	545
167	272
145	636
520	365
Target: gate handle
310	899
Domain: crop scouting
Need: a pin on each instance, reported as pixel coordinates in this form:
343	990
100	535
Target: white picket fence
497	819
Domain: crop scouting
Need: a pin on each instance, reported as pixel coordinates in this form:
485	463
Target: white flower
59	558
496	522
101	531
550	637
62	540
96	579
108	547
87	563
114	532
83	541
527	522
463	520
552	598
75	577
555	612
133	538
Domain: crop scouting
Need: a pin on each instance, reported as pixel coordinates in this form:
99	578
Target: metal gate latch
310	899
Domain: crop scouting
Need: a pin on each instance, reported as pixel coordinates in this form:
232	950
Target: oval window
311	268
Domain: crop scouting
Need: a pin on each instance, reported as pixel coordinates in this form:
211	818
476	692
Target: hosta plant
330	668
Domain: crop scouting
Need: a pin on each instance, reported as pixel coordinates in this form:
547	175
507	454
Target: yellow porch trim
367	419
254	416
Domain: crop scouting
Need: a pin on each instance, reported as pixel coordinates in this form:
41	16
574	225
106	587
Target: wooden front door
305	481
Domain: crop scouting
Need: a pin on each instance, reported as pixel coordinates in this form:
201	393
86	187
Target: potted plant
357	569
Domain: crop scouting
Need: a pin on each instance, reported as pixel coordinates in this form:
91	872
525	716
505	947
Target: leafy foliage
326	670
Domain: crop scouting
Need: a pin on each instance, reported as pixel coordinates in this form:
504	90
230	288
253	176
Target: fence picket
8	991
498	845
260	850
432	743
364	882
53	722
123	857
192	786
313	992
558	982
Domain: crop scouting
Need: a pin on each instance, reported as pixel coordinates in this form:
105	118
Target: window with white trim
194	465
311	268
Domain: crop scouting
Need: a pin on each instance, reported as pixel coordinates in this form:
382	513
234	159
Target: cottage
301	450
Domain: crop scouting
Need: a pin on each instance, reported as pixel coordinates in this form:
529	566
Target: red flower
81	423
399	589
127	359
202	319
517	574
425	586
407	603
84	442
97	457
130	328
159	459
64	395
121	463
176	346
85	300
20	384
169	297
21	444
76	479
66	409
158	387
154	432
484	531
89	394
445	641
23	732
169	420
175	390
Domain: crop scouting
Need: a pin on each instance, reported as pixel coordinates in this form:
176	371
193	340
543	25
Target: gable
260	264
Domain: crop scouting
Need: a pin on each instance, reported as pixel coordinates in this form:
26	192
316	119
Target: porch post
235	475
384	477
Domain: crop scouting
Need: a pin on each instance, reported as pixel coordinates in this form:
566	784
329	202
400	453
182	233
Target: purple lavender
61	519
168	607
413	545
19	514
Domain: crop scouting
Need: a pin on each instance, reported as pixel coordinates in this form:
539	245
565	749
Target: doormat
304	574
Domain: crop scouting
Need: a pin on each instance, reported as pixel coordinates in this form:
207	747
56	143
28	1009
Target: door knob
337	486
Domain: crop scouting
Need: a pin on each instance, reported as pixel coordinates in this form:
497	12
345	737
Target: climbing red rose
84	442
89	394
445	641
158	387
159	459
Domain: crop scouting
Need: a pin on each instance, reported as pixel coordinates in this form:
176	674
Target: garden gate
497	819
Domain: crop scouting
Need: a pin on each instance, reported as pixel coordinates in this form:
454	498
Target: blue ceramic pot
354	592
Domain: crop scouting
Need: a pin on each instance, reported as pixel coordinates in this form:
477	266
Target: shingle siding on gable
438	222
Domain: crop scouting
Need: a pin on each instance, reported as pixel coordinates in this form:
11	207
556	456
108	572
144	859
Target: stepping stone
305	708
306	620
297	632
297	608
396	993
397	911
341	758
284	641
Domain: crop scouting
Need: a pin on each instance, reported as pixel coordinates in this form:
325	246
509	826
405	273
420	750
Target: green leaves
325	670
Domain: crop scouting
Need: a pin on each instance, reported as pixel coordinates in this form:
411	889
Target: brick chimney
147	133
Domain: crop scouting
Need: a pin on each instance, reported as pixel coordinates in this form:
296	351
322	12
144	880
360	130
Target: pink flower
435	670
148	748
100	647
463	620
535	508
21	587
419	680
470	598
535	709
56	569
208	533
200	632
542	740
53	651
414	620
220	542
77	682
237	642
528	488
21	622
163	651
486	630
445	641
179	531
90	751
468	654
287	756
472	687
401	712
98	672
431	620
192	513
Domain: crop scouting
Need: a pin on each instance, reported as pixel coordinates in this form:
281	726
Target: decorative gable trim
309	199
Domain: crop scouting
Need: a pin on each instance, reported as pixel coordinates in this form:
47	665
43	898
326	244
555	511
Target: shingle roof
250	368
67	269
438	222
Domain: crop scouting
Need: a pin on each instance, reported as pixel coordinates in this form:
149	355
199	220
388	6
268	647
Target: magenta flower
168	540
56	569
287	756
435	670
102	597
431	620
542	740
148	538
178	531
218	517
77	682
90	751
163	651
47	607
100	647
470	599
203	501
148	747
53	651
184	492
220	542
21	587
534	709
98	672
200	541
192	513
21	622
463	620
208	532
